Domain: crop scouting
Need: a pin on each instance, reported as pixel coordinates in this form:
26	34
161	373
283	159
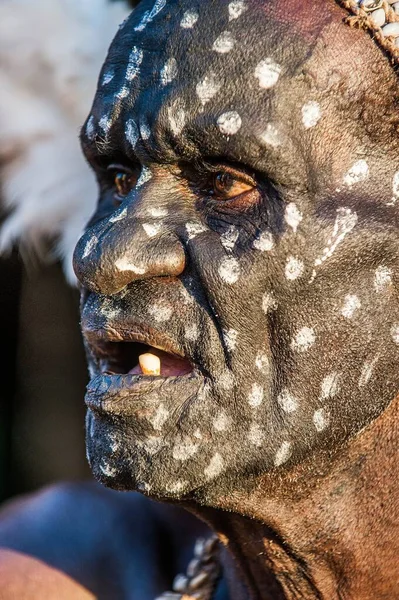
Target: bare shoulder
116	544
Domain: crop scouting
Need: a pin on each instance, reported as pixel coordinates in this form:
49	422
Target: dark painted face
247	224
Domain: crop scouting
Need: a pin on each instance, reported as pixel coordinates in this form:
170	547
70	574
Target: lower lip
124	395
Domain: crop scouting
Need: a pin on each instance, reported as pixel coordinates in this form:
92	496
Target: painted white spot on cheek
382	278
321	419
256	395
207	88
131	133
230	337
236	9
221	422
133	66
351	305
107	470
177	487
229	270
311	114
177	118
105	123
367	371
108	77
268	72
215	467
159	419
224	43
184	450
357	173
149	15
330	386
169	72
161	312
272	136
229	238
293	216
269	303
395	333
294	268
262	362
119	215
283	454
287	401
189	19
145	176
264	242
395	190
90	245
90	133
193	229
192	333
226	380
145	131
256	435
229	122
152	229
123	264
304	339
158	212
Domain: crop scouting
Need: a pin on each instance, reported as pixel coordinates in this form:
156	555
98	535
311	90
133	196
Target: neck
326	530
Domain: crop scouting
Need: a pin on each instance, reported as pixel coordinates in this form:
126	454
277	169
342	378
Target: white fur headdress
51	52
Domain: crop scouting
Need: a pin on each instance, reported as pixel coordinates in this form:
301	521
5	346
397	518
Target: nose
117	252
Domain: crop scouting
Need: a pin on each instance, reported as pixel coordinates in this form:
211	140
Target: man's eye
124	182
226	185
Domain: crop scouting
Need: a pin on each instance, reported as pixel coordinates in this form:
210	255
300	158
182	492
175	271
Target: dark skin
250	195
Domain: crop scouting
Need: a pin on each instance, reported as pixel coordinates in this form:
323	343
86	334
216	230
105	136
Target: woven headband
380	18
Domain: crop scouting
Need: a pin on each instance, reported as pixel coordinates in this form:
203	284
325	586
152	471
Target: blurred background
51	52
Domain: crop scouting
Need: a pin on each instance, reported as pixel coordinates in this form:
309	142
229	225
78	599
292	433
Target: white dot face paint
191	333
256	395
194	229
345	221
221	421
226	380
215	467
105	123
177	117
382	278
145	176
158	212
229	238
159	419
395	190
262	362
224	43
169	71
329	386
152	229
184	449
256	435
91	244
229	270
321	419
395	333
268	72
272	136
161	312
351	305
207	88
269	303
283	454
229	122
264	242
287	402
145	131
311	114
236	9
189	19
357	173
131	132
230	337
304	339
367	371
107	470
123	264
133	66
90	132
108	77
150	15
294	268
293	216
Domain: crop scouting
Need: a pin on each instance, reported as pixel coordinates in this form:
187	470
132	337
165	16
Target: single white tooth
150	364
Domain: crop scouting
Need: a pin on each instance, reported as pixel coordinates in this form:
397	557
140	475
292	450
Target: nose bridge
134	243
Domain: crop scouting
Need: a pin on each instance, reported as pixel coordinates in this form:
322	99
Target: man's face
246	237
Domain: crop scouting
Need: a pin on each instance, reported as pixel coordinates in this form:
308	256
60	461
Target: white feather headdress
51	52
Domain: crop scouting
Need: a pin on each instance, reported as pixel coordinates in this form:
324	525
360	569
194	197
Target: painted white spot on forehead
224	43
256	435
184	449
287	401
236	9
382	278
329	386
293	216
193	229
229	238
189	19
161	312
215	467
321	419
269	302
304	339
255	397
90	245
367	371
272	136
264	242
294	268
149	15
152	229
158	212
145	131
177	117
283	454
268	72
207	88
311	114
133	66
131	132
145	176
344	223
351	305
395	333
191	332
229	122
357	173
262	362
221	421
168	71
229	270
230	337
